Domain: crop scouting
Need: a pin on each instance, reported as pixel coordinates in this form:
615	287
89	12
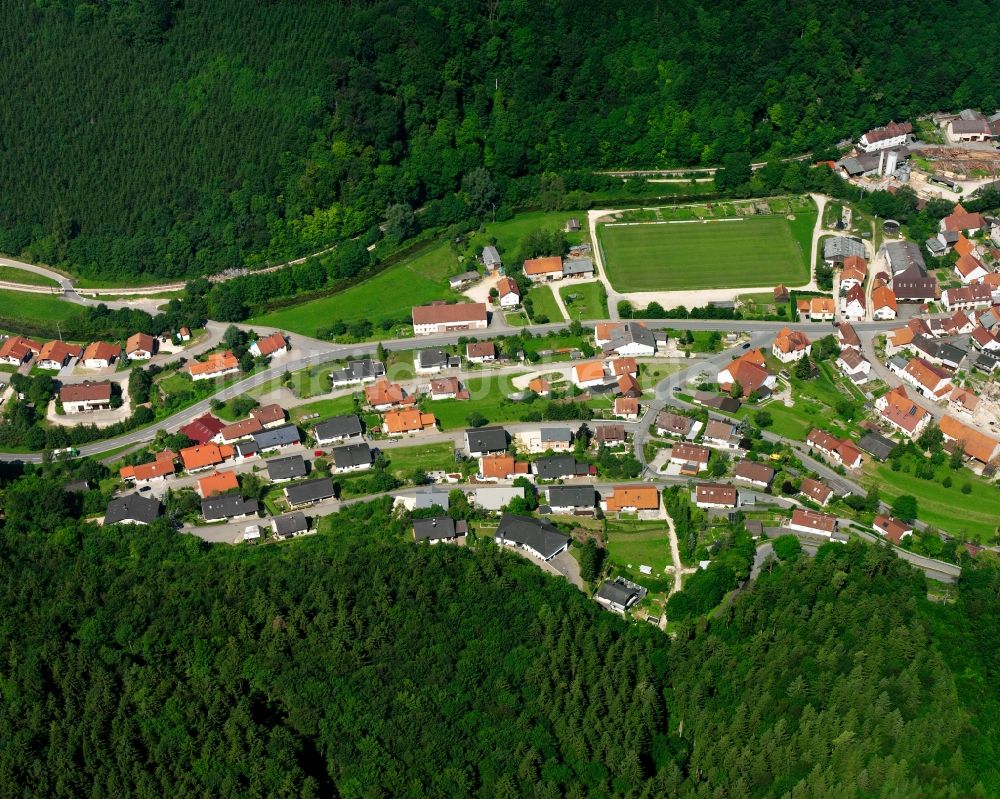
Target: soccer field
746	253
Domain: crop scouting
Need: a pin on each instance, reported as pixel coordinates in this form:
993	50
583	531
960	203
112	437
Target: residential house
217	483
554	467
822	309
977	295
970	269
974	444
814	522
781	294
910	280
100	355
852	303
673	424
184	334
720	435
491	258
578	267
493	468
790	345
279	437
409	420
589	374
358	372
204	456
291	525
140	347
990	319
538	538
270	346
571	499
931	381
228	507
892	135
838	248
716	495
480	352
232	433
957	324
839	450
433	361
56	354
272	415
290	467
17	350
847	337
540	270
968	126
877	445
145	473
940	353
245	449
961	221
884	305
309	493
631	499
620	367
351	457
629	387
756	474
218	364
691	457
443	388
540	386
962	400
495	498
619	595
892	529
337	429
853	272
610	435
85	397
902	413
626	339
203	429
556	439
132	509
438	529
750	372
816	491
626	408
385	395
853	364
485	441
424	499
443	318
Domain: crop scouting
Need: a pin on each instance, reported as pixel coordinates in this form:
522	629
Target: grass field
938	506
35	307
634	544
585	300
488	397
543	304
14	275
337	406
403	461
757	251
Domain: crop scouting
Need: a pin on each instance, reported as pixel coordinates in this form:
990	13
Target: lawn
754	251
585	301
15	305
633	543
403	461
489	396
12	274
543	305
973	516
326	408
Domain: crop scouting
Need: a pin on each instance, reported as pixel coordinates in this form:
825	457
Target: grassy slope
488	396
15	275
639	543
35	307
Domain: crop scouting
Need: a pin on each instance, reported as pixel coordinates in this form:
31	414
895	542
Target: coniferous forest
137	662
171	138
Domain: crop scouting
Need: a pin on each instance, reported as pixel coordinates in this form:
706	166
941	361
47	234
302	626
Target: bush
476	419
787	547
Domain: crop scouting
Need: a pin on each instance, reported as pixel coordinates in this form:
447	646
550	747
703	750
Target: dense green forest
180	137
139	662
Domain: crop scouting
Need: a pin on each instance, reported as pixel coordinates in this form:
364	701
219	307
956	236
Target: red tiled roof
139	342
815	490
203	429
543	266
272	343
789	340
481	349
641	497
216	363
267	414
715	494
101	351
814	520
58	351
975	444
86	392
443	313
217	483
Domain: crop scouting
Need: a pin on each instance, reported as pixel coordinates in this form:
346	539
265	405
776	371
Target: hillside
180	137
139	662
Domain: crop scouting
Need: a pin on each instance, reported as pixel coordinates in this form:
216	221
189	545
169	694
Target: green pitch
751	252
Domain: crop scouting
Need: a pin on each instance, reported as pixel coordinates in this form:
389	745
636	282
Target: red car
319	453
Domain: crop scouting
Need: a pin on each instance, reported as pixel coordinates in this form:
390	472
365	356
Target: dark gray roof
438	527
629	332
534	533
338	427
286	468
837	248
950	354
431	358
312	491
618	593
132	508
572	496
581	266
987	361
556	466
877	445
935	246
563	434
949	236
246	448
486	439
351	455
430	497
359	370
227	506
490	255
279	437
290	523
905	260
